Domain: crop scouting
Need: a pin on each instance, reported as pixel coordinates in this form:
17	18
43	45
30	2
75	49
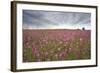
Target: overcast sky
35	19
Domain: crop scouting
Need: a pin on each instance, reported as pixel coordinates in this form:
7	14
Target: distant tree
83	28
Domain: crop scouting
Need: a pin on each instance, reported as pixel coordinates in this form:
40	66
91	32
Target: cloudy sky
35	19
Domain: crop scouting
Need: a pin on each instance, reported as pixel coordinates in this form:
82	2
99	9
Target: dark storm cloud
46	19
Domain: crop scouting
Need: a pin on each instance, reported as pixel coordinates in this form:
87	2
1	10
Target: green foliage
28	56
71	56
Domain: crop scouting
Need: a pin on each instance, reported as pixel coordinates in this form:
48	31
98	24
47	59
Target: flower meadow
56	44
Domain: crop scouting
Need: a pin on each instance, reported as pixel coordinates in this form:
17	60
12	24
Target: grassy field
56	45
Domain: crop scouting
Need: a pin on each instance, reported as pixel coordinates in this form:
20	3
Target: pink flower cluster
54	45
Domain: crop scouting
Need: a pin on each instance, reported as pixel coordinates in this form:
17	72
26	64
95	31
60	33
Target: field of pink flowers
56	45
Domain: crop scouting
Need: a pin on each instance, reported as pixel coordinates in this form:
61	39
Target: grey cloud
36	18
